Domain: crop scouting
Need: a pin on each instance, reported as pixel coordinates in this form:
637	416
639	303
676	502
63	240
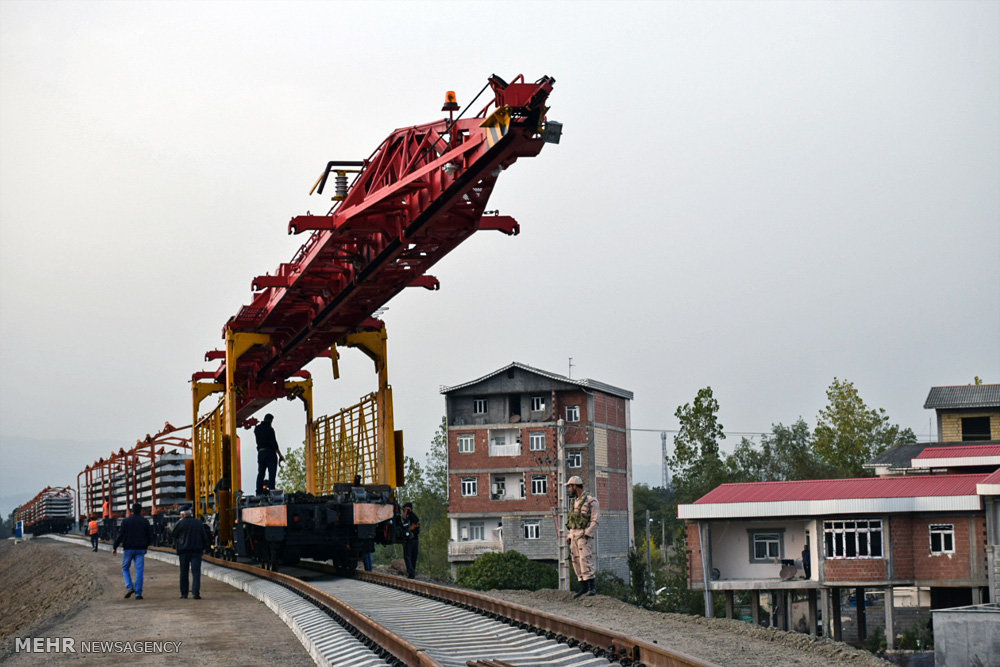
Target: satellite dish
787	572
715	574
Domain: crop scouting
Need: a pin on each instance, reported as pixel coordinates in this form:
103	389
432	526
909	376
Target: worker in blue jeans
135	537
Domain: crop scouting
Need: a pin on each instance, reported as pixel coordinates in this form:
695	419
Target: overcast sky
753	196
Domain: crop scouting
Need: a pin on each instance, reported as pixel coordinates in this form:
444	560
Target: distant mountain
31	464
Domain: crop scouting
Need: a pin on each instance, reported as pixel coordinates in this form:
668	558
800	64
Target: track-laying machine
420	193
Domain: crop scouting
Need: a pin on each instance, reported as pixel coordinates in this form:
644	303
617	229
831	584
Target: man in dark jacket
191	538
135	537
411	539
268	453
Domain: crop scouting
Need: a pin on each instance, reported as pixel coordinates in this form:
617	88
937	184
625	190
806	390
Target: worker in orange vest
94	529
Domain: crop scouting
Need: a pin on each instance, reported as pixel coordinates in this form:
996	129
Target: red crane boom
421	193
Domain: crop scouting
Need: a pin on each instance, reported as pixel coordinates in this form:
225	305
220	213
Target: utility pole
663	459
649	556
562	549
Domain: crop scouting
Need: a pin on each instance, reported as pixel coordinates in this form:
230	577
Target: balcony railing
473	549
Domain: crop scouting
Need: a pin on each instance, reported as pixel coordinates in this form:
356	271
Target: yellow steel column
236	345
304	390
199	392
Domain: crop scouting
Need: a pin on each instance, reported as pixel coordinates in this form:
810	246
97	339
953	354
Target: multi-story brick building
926	530
503	438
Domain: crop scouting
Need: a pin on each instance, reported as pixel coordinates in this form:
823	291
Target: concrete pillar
813	611
782	607
730	603
824	600
890	628
755	606
838	633
859	594
977	595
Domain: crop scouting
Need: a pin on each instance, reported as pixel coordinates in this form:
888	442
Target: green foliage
916	638
610	584
639	591
426	488
695	463
876	641
661	505
292	471
786	453
848	433
676	596
507	570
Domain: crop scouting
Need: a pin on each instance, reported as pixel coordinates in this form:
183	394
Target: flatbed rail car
341	527
51	511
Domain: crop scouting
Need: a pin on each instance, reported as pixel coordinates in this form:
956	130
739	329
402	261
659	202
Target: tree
660	503
849	434
292	473
786	453
696	465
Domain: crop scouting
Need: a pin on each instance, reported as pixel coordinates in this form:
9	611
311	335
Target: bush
876	641
610	584
508	570
916	638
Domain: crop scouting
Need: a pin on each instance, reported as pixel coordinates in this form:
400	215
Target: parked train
51	511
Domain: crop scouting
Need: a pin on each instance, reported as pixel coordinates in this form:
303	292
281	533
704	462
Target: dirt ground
85	602
53	589
719	640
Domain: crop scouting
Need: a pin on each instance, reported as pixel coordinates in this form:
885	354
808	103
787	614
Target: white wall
731	548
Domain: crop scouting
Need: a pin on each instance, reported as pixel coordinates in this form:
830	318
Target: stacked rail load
421	193
152	473
51	511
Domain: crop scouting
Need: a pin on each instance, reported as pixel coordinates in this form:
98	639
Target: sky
753	196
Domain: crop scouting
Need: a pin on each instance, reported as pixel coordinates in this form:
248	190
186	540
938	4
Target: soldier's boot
581	590
590	587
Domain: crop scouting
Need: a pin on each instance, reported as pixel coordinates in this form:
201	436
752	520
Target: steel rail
611	644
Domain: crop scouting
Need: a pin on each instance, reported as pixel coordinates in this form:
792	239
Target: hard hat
575	480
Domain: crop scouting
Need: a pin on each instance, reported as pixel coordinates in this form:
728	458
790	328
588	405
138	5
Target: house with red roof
926	529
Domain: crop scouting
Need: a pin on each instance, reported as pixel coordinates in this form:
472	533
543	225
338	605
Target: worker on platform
94	529
268	453
584	517
411	539
135	537
191	538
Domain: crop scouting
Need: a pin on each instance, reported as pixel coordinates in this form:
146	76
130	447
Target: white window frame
572	413
945	533
539	485
522	487
842	536
466	443
532	529
480	406
574	459
767	537
538	404
470	486
536	442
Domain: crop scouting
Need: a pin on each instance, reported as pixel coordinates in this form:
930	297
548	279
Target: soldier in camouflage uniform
584	516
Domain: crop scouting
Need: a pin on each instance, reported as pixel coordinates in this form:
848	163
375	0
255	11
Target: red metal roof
911	486
993	478
960	451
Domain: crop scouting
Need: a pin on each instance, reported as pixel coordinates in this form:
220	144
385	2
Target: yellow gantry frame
384	467
215	442
217	469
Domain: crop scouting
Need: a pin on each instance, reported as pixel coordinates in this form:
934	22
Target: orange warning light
450	101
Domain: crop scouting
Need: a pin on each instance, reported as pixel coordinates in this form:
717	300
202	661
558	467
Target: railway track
410	622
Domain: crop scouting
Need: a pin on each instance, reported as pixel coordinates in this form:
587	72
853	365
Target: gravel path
719	640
